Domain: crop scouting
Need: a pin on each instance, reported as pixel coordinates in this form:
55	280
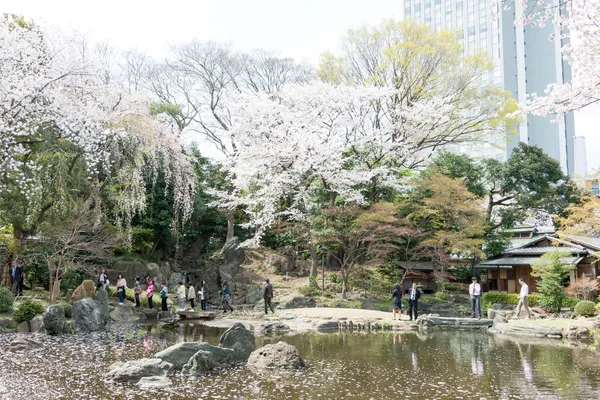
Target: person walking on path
204	295
226	295
164	295
181	295
149	291
475	293
268	296
413	301
137	289
121	288
523	299
191	295
396	302
103	279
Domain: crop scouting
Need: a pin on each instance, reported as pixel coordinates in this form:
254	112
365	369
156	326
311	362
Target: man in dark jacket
268	296
413	301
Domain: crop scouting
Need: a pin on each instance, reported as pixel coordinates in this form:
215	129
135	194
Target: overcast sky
301	29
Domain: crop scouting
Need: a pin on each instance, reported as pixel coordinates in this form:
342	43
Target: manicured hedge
490	298
585	308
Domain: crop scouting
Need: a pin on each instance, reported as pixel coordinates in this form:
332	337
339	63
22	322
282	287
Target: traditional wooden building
502	272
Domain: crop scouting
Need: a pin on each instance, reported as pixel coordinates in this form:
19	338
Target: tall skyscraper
525	60
581	168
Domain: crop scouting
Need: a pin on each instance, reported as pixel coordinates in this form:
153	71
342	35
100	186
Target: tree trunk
230	225
314	260
19	236
344	286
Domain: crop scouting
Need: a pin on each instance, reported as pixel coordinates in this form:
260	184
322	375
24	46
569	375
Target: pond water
440	365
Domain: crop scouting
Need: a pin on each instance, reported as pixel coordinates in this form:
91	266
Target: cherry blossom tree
576	26
316	146
65	131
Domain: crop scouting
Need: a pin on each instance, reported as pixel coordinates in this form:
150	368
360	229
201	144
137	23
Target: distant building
581	168
525	62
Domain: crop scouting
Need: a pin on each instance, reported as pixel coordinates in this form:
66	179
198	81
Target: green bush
6	300
71	279
585	308
533	300
27	310
333	278
68	308
441	296
310	291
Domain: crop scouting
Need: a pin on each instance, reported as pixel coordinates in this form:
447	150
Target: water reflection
453	364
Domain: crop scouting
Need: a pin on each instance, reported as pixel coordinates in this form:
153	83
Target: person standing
181	295
191	295
164	295
396	302
137	289
475	293
204	295
226	295
268	296
121	288
150	291
13	278
103	279
413	301
523	299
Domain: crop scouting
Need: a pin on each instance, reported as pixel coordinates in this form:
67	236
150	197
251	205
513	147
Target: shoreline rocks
54	320
134	371
88	316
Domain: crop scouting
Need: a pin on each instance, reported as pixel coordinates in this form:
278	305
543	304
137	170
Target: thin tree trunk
230	225
314	260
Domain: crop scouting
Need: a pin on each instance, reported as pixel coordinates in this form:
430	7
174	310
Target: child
164	295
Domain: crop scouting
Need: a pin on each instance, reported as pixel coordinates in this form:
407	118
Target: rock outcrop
209	358
301	302
327	326
23	327
124	315
102	300
88	316
133	371
36	325
240	339
179	354
530	330
86	289
578	332
273	328
277	356
23	344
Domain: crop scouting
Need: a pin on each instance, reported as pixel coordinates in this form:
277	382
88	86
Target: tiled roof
543	250
511	261
592	242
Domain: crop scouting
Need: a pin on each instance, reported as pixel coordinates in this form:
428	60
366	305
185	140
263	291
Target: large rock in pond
153	382
210	357
277	356
37	324
179	354
86	289
133	371
239	339
301	302
88	316
578	332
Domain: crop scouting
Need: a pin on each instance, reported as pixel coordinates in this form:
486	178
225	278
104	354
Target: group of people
413	302
183	294
474	293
